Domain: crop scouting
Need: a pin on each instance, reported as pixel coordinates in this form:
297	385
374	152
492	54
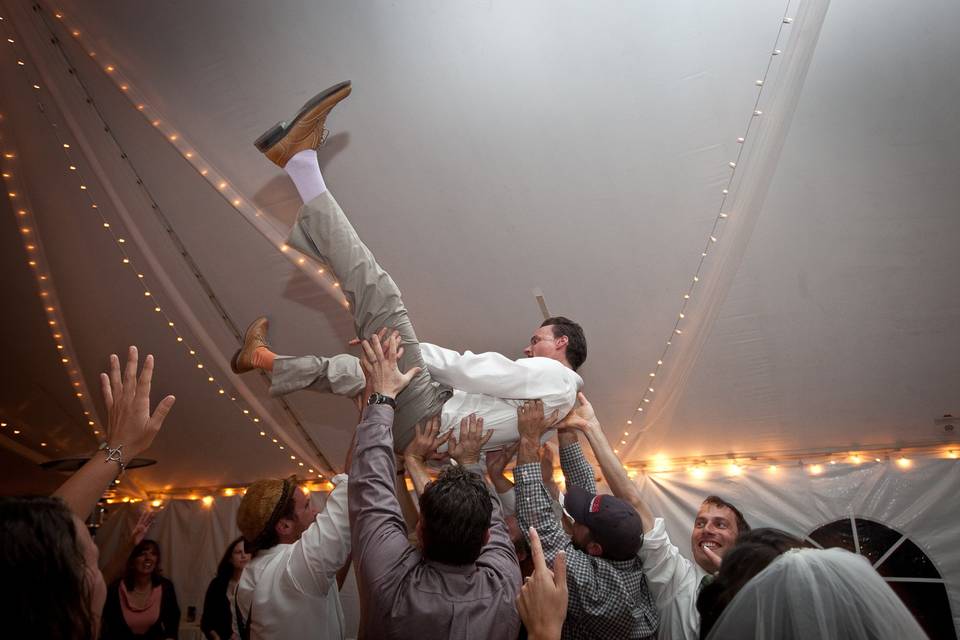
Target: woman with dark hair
755	550
50	564
142	604
218	605
53	588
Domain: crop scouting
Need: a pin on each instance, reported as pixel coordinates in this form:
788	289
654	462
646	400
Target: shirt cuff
570	453
337	479
657	536
527	472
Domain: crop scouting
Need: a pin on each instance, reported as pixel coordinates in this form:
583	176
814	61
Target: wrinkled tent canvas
491	153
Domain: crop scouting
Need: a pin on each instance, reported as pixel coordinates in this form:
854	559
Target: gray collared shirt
402	594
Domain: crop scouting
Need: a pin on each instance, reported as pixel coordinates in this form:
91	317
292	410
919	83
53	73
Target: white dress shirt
493	386
290	590
674	582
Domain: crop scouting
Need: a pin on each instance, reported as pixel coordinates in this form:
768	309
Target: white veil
814	593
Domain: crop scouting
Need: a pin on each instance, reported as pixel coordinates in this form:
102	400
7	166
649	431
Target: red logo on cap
595	504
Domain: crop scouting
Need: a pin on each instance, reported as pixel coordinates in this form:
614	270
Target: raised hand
139	531
581	417
380	365
497	461
426	440
530	420
127	398
543	599
467	449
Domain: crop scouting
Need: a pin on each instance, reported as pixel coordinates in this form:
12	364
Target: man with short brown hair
674	580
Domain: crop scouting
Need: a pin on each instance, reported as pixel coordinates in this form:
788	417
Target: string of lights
75	168
205	169
630	432
37	261
814	462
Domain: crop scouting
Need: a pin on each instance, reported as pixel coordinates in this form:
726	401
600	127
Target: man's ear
594	549
562	341
284	527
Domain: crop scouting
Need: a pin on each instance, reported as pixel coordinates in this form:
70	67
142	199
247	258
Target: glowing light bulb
904	463
815	469
952	455
156	503
207	501
772	468
856	459
228	492
734	469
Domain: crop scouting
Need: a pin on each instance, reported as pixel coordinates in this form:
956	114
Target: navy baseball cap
614	524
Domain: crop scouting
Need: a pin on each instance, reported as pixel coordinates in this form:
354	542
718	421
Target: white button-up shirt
493	386
290	590
674	582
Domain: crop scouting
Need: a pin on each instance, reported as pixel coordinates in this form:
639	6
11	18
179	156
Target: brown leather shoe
256	336
282	141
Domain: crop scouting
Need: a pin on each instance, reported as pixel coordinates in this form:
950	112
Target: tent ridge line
160	273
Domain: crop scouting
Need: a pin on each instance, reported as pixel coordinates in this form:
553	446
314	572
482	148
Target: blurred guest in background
142	604
218	620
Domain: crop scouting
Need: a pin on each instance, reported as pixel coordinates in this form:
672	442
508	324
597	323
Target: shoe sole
235	360
233	363
274	134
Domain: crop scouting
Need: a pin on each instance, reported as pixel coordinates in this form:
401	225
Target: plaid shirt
608	598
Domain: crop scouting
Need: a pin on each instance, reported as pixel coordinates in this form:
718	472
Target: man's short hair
742	525
455	512
576	342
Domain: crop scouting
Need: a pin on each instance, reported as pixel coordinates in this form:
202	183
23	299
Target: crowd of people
474	555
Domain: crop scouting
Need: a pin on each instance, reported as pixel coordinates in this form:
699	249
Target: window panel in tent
907	569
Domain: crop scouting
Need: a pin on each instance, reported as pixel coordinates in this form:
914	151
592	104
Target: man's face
303	513
544	345
716	529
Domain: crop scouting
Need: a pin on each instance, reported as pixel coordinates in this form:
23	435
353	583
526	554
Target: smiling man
673	579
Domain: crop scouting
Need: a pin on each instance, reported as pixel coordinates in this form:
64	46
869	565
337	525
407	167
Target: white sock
304	170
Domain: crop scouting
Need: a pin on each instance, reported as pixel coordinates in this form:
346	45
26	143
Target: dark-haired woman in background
142	604
218	605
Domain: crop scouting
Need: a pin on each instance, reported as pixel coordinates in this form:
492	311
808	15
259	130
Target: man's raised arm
378	531
534	504
583	419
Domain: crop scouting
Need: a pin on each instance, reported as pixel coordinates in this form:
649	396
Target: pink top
140	620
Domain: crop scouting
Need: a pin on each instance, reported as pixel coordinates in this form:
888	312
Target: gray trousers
323	232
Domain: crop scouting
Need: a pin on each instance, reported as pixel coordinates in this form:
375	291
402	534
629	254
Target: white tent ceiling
490	150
